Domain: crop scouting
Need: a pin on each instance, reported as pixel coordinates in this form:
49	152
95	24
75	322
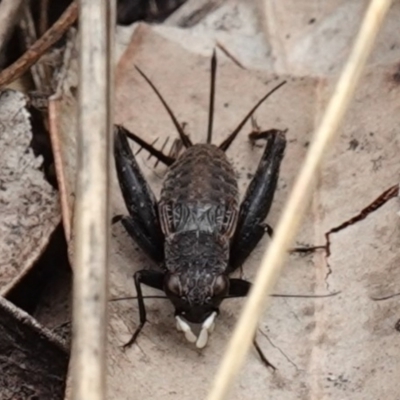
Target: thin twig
289	223
33	54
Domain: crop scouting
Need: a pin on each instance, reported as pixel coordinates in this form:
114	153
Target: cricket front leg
154	279
241	288
258	198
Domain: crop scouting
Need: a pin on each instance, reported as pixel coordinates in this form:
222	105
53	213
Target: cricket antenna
228	141
185	138
136	297
212	95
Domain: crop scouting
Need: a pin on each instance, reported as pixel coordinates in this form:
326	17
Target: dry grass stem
91	225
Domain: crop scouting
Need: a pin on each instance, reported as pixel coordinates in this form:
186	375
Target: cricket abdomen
204	174
200	192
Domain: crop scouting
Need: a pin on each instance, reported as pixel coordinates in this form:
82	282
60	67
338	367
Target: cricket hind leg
159	155
258	199
143	224
154	279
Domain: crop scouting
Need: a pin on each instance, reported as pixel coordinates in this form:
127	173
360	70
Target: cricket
198	232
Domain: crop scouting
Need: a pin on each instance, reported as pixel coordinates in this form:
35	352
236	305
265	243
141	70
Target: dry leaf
356	346
163	364
315	37
33	362
330	346
340	347
235	26
28	204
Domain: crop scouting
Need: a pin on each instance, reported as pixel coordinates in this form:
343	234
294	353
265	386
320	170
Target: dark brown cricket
198	233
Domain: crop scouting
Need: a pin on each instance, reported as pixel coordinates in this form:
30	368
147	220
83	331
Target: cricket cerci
197	232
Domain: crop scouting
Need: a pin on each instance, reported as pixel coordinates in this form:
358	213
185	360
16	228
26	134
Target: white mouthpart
181	325
178	324
206	328
202	339
209	322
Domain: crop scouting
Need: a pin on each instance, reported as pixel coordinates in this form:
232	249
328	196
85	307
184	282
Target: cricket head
196	298
196	284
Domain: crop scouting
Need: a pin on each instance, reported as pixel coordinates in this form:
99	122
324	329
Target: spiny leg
154	279
162	149
167	160
254	136
255	130
151	144
143	224
176	148
258	200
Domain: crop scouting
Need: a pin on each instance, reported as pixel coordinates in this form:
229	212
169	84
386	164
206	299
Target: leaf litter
336	348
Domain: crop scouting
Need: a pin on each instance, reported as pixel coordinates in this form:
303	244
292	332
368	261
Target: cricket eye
220	285
173	285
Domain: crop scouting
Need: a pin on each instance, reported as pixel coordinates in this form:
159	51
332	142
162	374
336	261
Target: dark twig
33	54
390	296
387	195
